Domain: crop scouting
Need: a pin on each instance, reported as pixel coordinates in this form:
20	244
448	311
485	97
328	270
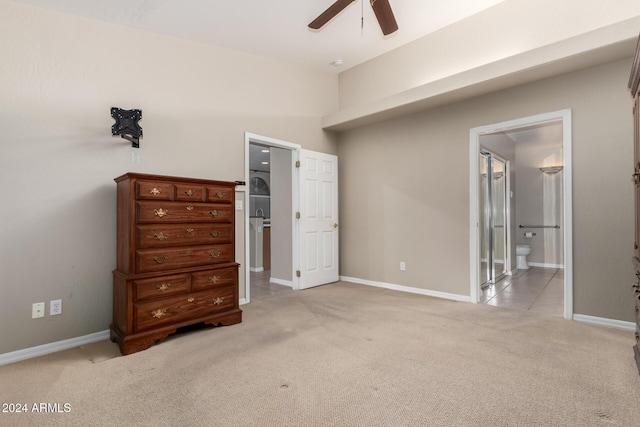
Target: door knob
335	225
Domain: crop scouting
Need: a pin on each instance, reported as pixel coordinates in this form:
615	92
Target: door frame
474	221
295	196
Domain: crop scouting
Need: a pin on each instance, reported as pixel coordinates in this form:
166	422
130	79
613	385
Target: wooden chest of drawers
175	258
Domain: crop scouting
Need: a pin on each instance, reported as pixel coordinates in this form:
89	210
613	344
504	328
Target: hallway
536	289
262	288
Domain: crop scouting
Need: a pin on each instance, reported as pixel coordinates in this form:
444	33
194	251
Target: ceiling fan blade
330	13
385	16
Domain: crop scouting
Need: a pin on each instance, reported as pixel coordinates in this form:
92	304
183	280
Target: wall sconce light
551	169
126	125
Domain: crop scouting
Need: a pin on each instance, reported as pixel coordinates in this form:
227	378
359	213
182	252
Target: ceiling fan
381	8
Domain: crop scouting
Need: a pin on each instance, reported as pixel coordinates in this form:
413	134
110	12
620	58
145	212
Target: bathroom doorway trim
474	223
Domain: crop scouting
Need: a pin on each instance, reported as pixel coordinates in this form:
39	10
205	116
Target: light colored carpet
345	355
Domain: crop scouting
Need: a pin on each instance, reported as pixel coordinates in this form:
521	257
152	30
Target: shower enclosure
494	214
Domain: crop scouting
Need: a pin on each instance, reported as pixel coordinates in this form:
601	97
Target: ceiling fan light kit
381	8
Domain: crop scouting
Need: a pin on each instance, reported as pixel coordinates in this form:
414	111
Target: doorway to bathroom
529	161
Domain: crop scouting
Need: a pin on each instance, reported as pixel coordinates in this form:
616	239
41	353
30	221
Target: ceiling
278	28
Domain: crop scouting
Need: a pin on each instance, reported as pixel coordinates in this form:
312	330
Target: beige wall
58	79
281	217
510	37
404	189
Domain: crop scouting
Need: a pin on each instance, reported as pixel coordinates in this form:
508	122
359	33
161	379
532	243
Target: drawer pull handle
159	313
218	301
160	259
189	230
154	191
214	279
214	254
189	208
220	195
163	287
214	213
189	193
215	234
191	299
160	212
160	236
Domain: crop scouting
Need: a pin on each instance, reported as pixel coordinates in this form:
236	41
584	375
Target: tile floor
537	289
262	288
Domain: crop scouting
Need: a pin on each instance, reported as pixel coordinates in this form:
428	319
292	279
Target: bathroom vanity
634	83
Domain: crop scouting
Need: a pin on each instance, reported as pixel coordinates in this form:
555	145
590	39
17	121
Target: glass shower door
493	218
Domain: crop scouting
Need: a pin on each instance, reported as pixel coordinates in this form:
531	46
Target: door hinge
297	163
297	215
297	273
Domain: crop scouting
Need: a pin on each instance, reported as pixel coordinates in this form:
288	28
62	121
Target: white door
318	223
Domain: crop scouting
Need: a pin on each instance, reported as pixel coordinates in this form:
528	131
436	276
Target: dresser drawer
193	306
169	212
219	194
214	278
157	236
149	260
160	287
191	192
154	190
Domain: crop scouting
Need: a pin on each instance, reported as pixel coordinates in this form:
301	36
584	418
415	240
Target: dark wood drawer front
190	192
149	260
160	212
219	194
161	287
157	236
193	306
220	277
154	190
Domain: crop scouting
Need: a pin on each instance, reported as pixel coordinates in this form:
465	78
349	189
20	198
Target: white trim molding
41	350
603	321
544	265
282	282
409	289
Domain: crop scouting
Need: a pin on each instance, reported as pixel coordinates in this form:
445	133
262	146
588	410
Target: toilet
521	256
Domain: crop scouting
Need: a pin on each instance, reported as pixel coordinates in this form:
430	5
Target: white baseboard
41	350
542	264
288	283
256	269
603	321
242	301
401	288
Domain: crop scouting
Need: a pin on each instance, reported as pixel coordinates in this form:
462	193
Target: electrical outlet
37	310
55	307
403	266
